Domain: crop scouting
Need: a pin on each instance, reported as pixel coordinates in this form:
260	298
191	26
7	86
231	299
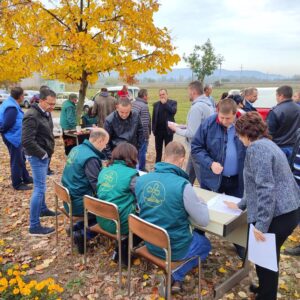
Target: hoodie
201	109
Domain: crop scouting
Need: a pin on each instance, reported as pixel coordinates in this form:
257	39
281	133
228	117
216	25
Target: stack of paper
217	204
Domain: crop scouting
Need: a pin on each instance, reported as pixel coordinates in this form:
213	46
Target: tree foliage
75	40
203	60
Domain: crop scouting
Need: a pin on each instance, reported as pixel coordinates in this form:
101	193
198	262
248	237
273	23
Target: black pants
160	138
230	186
282	226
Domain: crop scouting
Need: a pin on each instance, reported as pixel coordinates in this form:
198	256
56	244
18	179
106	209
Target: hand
231	205
163	100
259	236
216	168
172	126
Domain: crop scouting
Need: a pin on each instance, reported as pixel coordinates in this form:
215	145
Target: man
38	142
200	110
140	105
296	97
123	125
164	111
68	120
220	154
207	92
80	176
250	96
11	117
284	119
104	105
167	199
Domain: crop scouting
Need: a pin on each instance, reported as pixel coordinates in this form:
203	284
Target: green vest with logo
74	178
160	198
114	186
68	115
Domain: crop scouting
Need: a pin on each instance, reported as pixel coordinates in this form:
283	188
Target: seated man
81	172
167	199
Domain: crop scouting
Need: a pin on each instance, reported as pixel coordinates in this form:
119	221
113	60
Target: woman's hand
231	205
259	236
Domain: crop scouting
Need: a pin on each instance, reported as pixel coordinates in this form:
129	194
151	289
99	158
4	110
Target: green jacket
114	186
74	178
160	198
68	115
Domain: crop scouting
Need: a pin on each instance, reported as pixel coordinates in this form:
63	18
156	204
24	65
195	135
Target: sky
262	35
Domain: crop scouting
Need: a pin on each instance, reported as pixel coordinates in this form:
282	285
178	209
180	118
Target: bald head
175	153
99	138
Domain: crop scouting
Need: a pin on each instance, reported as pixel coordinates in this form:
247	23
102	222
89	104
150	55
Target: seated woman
116	184
87	119
271	195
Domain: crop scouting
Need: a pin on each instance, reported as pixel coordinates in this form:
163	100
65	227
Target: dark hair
44	87
45	93
163	90
125	152
236	98
124	101
16	92
227	106
207	87
249	91
286	91
103	89
224	95
197	86
142	93
252	126
175	149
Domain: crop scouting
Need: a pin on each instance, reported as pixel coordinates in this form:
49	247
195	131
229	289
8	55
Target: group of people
229	152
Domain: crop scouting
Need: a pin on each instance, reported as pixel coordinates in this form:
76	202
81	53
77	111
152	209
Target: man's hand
231	205
163	100
216	168
172	126
259	236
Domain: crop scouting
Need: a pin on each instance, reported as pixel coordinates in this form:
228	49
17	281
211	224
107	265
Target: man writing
167	199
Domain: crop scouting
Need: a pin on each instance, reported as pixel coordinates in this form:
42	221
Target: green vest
74	178
68	115
160	198
114	186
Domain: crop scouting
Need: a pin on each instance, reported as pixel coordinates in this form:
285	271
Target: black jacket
120	130
37	132
283	121
170	109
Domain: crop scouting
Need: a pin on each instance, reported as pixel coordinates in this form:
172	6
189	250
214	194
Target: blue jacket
14	134
209	145
248	107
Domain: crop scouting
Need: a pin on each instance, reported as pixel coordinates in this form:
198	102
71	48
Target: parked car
3	95
113	90
63	96
28	94
57	130
266	100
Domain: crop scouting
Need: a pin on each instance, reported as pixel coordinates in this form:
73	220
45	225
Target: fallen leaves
222	270
46	263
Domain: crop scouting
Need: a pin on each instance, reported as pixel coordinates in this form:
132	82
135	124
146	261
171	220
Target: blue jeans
200	246
142	156
39	169
193	170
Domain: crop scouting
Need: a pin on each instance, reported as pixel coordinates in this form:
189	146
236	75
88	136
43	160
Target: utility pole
241	73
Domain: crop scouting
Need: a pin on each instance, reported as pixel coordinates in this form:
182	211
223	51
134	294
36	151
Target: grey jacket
141	107
270	188
201	109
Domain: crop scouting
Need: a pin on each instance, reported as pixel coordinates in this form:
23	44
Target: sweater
141	107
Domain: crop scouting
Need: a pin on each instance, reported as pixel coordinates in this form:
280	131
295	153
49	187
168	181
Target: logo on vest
110	179
154	193
72	156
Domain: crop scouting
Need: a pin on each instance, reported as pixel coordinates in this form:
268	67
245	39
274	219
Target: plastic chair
159	237
105	210
62	193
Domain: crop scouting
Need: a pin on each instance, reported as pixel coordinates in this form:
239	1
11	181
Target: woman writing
271	194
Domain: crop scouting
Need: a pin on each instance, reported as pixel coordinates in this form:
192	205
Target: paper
141	173
263	253
217	204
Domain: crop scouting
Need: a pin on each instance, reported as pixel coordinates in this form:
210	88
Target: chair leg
84	236
56	221
168	289
199	276
71	233
129	262
120	260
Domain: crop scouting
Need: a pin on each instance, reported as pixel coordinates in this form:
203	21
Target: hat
73	96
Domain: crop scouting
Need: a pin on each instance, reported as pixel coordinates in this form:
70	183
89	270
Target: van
265	101
113	90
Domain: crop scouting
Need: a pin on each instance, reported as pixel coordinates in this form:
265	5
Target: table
233	229
79	137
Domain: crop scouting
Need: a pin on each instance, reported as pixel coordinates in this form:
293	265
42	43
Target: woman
116	184
271	194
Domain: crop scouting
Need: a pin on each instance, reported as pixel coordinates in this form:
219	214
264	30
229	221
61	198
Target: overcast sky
261	35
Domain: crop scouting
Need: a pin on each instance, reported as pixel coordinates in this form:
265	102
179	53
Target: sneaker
79	241
176	287
29	180
241	251
41	231
48	213
23	187
293	251
253	288
50	172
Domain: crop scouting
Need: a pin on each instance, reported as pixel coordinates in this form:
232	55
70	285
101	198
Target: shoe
79	241
48	213
240	251
23	187
293	251
253	288
41	231
176	287
29	180
50	172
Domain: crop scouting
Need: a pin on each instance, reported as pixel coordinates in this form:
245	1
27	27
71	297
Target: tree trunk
82	93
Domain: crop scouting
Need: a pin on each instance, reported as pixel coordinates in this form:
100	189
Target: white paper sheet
263	253
141	173
217	204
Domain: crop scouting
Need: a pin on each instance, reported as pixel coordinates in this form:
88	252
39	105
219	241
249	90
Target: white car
28	94
3	95
113	90
57	130
63	96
